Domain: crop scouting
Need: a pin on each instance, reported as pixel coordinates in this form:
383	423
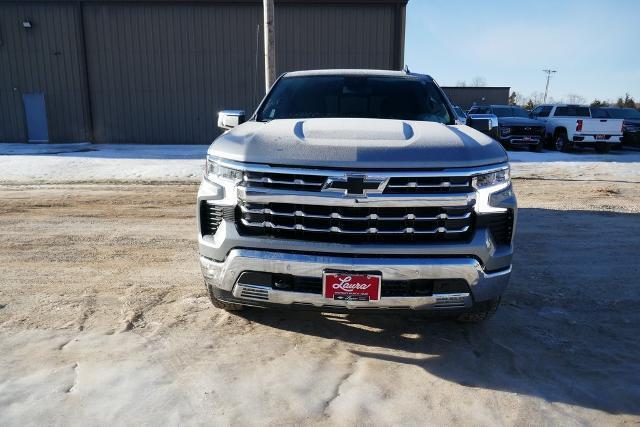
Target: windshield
510	112
623	113
459	112
355	96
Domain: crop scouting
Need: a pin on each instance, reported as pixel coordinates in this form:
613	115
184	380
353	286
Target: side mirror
228	119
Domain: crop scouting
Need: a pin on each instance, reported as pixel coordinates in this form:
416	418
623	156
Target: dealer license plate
351	286
601	137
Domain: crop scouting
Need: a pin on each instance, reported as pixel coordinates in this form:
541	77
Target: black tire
602	147
562	143
536	148
480	312
227	306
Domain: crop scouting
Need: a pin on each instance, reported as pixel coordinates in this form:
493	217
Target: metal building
466	96
159	71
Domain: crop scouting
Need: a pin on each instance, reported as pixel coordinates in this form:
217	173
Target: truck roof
354	72
563	105
495	105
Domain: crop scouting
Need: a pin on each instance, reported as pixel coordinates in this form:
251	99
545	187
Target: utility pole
269	45
546	88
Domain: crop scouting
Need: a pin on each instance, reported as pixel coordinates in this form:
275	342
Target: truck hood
358	144
519	121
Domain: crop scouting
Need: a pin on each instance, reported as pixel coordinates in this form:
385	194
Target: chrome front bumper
520	140
223	277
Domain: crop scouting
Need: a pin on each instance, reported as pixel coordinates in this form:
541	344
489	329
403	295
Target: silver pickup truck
356	190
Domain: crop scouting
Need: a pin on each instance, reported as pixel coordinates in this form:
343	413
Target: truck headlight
216	170
492	190
492	179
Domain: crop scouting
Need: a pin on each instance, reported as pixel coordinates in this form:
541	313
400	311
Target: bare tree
478	82
537	98
461	83
573	98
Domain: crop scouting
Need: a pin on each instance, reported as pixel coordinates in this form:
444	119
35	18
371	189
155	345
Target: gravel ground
104	319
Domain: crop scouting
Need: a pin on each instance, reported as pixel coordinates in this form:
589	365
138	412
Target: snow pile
623	166
64	163
55	163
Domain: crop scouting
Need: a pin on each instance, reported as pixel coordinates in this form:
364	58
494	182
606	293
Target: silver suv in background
356	190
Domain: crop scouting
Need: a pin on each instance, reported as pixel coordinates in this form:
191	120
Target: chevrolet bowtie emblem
355	185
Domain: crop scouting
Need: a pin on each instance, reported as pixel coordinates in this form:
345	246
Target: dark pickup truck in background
630	125
511	125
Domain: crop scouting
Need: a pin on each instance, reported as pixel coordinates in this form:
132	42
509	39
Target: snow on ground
65	163
621	166
56	163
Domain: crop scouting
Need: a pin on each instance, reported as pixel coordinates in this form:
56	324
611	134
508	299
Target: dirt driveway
104	319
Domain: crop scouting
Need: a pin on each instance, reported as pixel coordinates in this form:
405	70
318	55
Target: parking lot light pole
546	88
269	45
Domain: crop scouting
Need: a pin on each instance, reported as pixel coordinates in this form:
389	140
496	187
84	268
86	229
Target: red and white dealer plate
351	287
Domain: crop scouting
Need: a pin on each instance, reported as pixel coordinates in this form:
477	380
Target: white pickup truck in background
571	125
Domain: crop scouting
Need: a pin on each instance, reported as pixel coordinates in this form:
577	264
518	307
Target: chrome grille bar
370	217
293	181
443	184
270	195
334	229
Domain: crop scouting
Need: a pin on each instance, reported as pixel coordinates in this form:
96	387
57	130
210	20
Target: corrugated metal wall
46	58
335	36
158	72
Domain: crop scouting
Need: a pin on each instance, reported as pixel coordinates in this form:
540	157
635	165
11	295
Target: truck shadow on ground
566	331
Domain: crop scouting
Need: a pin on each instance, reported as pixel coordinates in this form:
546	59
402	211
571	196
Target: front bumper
591	140
222	279
521	140
481	264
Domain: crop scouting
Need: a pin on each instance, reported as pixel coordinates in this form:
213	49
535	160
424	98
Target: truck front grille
527	130
396	185
356	224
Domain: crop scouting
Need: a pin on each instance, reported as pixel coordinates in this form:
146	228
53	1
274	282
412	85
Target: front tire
561	142
480	312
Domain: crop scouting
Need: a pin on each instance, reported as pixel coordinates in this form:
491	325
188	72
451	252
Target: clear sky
594	44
